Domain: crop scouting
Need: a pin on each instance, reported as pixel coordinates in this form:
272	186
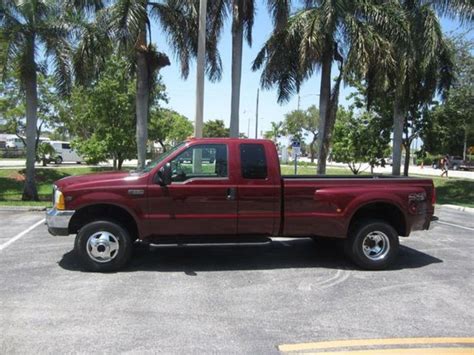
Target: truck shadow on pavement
298	253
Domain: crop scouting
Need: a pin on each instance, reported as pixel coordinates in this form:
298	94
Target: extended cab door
201	199
259	189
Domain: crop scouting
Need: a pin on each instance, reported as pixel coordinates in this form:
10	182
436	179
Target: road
233	299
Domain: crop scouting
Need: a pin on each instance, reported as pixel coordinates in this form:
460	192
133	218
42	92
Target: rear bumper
58	221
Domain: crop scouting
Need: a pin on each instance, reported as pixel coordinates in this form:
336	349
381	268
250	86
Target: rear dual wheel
372	244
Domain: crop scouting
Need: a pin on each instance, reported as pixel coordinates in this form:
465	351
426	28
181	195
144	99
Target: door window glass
66	146
200	161
253	161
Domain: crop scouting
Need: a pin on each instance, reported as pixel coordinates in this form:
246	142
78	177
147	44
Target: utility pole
200	67
256	116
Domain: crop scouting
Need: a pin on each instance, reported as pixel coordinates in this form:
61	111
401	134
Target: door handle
231	192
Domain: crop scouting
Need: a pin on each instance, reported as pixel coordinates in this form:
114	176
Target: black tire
118	237
58	160
366	238
455	167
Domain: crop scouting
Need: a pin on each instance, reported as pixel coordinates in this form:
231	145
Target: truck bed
324	205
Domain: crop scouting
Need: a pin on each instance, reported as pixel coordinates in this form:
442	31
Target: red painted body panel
294	207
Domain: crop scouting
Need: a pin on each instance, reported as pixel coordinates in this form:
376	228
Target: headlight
59	199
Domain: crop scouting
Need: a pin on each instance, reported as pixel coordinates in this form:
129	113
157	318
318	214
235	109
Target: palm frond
279	11
180	20
128	19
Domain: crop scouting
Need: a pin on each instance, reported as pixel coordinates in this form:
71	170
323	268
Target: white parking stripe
18	236
456	225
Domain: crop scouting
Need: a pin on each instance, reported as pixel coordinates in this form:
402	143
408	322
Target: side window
66	146
202	161
253	161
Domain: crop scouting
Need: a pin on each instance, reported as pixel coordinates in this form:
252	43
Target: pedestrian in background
444	165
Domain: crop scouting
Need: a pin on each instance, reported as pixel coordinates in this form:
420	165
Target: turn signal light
59	200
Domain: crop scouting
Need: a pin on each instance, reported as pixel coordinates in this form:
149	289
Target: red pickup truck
224	189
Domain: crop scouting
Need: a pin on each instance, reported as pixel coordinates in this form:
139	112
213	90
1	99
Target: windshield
158	160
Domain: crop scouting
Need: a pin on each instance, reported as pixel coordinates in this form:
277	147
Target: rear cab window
253	161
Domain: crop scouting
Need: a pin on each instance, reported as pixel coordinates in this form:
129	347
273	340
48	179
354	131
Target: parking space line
372	342
18	236
404	351
456	225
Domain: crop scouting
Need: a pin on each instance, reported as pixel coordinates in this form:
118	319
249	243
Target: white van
14	143
64	153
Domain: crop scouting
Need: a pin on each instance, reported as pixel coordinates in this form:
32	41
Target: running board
207	240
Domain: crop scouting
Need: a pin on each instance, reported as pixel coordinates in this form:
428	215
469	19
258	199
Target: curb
459	208
23	208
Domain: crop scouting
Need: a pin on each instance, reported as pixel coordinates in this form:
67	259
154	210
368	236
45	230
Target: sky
181	92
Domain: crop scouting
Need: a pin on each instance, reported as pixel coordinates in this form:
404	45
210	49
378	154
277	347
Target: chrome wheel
376	245
102	247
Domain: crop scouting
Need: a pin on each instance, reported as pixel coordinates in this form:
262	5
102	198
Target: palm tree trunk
142	101
398	121
324	107
311	147
29	190
237	44
407	159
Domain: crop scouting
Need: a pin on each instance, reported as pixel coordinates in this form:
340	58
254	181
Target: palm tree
350	32
30	30
275	132
130	25
424	64
243	13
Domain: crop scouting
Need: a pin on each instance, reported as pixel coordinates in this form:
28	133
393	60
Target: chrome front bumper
58	221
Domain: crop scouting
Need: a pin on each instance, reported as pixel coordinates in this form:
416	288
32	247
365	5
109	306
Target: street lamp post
256	116
198	123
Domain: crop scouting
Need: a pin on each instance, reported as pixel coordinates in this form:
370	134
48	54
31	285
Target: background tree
168	127
350	33
13	108
128	23
103	115
276	131
423	68
301	124
243	13
215	129
45	152
30	30
359	140
450	124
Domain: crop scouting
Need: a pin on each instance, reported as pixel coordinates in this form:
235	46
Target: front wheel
103	246
372	244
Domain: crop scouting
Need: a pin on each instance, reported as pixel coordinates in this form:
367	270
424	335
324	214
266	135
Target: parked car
64	153
240	197
467	165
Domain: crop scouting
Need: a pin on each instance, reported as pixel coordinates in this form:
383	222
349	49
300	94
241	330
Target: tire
372	244
455	167
103	246
58	160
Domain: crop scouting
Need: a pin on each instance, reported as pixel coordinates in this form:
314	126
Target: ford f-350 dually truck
226	190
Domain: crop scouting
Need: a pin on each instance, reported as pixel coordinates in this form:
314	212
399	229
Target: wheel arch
107	211
381	210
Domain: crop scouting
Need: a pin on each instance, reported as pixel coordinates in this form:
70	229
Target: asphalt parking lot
234	299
